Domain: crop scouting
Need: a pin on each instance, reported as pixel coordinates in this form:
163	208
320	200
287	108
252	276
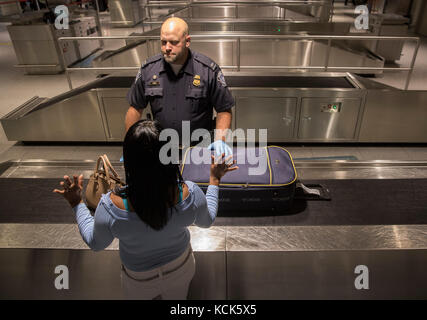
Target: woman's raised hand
219	167
72	191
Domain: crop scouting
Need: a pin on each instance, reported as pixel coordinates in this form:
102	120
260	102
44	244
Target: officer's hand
220	148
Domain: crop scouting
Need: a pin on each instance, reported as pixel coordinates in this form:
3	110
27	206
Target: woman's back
143	248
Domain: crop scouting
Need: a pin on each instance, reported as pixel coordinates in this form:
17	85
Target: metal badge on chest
196	80
154	82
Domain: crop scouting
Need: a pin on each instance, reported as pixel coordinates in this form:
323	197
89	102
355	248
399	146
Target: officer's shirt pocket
155	97
198	98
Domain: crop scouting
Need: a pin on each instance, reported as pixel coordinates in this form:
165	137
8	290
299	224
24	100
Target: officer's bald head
175	25
175	40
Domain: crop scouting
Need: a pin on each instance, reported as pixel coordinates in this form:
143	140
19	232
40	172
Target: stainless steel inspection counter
376	218
314	107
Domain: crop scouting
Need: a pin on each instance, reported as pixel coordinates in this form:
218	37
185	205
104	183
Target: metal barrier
239	37
182	5
208	2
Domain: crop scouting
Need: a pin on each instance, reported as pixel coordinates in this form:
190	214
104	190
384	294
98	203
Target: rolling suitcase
264	183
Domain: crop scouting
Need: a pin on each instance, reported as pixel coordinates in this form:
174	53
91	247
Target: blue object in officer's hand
220	147
121	159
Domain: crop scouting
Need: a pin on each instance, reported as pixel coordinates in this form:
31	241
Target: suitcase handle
321	192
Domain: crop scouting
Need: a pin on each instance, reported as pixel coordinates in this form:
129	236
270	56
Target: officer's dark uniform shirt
190	95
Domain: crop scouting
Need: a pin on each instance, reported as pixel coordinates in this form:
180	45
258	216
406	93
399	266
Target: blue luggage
264	187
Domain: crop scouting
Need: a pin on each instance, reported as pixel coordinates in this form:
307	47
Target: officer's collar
187	67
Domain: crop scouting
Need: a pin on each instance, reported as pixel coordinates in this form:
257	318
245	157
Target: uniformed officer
181	85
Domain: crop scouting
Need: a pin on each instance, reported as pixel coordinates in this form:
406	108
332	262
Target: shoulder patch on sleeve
221	79
205	60
139	74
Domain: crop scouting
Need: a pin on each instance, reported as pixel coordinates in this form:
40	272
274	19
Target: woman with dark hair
149	216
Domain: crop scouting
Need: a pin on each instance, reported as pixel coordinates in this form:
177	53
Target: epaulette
152	59
205	60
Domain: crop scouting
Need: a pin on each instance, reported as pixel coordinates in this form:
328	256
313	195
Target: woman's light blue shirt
141	247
